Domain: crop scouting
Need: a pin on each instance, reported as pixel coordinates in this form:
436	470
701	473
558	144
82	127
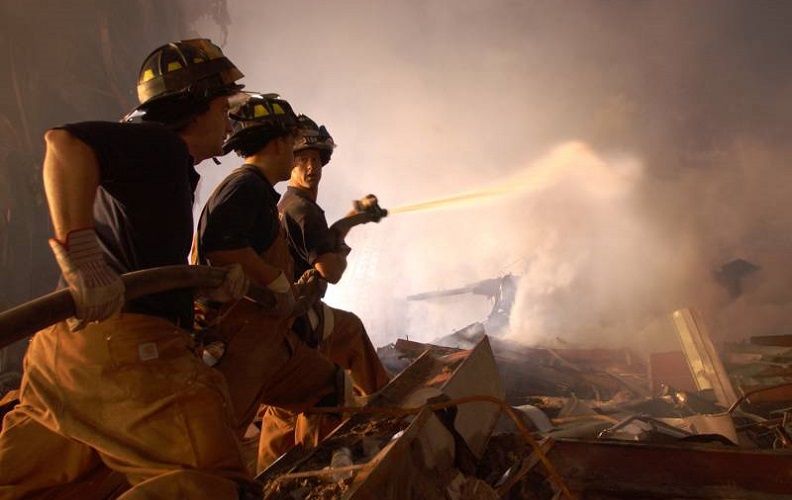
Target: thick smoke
644	145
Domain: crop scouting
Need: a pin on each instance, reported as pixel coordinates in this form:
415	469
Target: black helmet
256	120
196	66
183	74
315	137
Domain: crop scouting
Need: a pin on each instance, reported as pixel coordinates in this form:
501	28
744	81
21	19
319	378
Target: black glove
369	205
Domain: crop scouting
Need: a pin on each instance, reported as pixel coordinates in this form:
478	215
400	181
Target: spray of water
566	220
568	160
450	201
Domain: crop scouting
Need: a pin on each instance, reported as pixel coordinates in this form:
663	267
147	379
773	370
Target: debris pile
482	418
420	437
612	426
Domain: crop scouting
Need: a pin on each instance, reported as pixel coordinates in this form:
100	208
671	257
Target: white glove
234	286
97	290
276	298
284	296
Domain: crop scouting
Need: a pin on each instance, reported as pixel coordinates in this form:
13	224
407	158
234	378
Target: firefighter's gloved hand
283	296
310	289
97	290
311	285
369	205
234	286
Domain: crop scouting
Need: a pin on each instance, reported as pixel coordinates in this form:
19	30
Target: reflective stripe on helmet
259	115
195	65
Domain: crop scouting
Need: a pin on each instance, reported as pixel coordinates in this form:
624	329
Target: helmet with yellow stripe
257	119
181	77
197	67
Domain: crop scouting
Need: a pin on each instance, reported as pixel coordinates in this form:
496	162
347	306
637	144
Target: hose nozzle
370	206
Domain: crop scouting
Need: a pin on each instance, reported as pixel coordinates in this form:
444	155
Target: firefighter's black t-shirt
242	212
143	207
306	228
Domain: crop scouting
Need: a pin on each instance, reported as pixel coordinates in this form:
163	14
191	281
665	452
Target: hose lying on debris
403	412
747	395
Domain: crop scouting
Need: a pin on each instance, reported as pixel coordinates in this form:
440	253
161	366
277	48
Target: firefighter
337	334
264	362
119	383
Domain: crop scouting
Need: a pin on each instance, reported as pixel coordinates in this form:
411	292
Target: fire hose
28	318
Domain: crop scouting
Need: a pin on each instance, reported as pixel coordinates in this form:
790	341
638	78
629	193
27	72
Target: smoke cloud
630	149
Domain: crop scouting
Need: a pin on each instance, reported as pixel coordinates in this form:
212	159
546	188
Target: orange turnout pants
265	363
345	343
128	392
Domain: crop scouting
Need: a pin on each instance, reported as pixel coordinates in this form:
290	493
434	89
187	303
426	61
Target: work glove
213	352
233	287
369	205
310	288
276	298
97	290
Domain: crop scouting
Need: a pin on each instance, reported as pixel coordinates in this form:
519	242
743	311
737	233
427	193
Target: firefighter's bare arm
256	269
331	266
71	176
261	274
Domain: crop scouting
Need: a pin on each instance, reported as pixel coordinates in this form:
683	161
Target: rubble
483	417
614	427
431	440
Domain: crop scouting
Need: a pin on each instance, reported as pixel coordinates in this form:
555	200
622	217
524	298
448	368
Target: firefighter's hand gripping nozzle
369	205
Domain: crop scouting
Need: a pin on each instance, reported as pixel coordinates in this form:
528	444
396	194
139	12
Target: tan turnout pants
347	345
128	392
265	363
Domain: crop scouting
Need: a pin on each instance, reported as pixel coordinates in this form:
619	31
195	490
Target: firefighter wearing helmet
316	248
177	80
257	119
315	137
118	381
252	343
